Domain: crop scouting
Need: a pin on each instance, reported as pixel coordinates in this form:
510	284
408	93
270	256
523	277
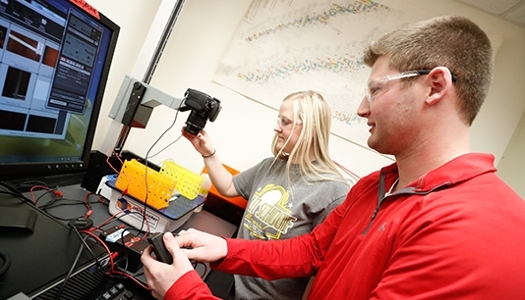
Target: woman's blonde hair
313	112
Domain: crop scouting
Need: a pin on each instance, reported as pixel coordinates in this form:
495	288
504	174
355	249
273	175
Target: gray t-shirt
275	211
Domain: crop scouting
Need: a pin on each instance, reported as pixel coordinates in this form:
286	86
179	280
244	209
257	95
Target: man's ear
440	81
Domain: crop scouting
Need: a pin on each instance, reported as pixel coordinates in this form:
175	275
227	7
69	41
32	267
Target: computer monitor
55	56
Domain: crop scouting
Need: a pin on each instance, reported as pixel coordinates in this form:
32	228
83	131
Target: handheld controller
159	249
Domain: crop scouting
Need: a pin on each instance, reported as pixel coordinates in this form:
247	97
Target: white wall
134	18
512	165
243	130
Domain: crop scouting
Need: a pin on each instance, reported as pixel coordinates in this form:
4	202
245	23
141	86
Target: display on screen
54	60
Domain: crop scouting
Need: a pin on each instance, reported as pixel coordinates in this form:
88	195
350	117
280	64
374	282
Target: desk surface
218	282
40	258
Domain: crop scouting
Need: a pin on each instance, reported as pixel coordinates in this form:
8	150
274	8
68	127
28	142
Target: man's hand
202	246
161	276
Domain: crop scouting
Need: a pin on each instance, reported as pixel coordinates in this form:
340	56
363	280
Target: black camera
202	106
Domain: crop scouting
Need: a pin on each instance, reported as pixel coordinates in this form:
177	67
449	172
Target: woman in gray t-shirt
288	194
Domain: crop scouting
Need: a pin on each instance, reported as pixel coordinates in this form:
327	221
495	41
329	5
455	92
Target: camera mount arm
136	99
133	106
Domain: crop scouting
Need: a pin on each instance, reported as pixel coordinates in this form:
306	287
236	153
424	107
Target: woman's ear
440	81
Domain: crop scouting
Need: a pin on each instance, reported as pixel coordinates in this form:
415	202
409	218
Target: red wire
113	168
109	163
56	192
109	219
99	227
118	157
88	206
112	270
99	198
145	219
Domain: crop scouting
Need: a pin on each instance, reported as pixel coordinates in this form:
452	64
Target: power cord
68	276
82	224
146	163
13	191
76	225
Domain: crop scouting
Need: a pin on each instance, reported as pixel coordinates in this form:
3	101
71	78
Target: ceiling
510	10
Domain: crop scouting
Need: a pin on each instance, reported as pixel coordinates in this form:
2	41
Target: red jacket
456	233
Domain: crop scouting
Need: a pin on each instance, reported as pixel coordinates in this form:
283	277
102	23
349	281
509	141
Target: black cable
125	249
129	228
66	279
22	198
162	150
75	229
55	205
124	269
7	263
146	163
48	206
9	189
165	131
64	203
50	191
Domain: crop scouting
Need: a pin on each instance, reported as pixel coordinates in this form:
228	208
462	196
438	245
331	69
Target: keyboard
117	292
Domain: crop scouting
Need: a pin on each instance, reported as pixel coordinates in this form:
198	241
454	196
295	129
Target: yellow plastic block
187	183
132	179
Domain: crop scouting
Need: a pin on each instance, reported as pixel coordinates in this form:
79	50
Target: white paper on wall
283	46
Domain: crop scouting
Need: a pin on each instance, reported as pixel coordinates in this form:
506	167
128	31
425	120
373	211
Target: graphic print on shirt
268	214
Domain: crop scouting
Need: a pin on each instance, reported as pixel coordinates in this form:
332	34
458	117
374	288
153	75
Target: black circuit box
128	246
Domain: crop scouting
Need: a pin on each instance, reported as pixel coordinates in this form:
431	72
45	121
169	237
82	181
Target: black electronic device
161	252
54	62
203	108
129	246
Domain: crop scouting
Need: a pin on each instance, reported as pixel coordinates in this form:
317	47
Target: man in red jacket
436	224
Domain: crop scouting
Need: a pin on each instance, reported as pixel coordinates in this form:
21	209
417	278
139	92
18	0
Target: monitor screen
54	62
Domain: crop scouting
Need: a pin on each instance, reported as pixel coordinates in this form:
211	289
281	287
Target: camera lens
195	123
